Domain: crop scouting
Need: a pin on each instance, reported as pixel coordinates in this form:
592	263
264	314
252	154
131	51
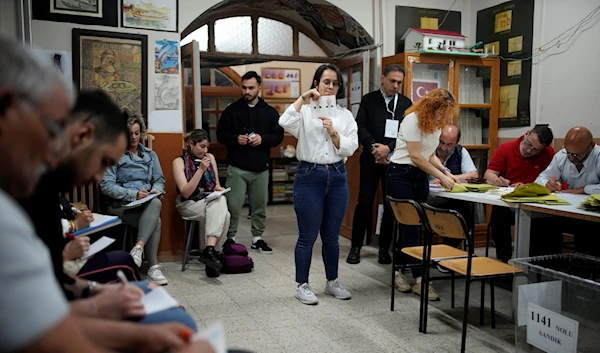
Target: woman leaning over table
414	158
320	186
136	175
196	176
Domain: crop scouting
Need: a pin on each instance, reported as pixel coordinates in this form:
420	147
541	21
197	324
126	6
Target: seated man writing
574	169
514	163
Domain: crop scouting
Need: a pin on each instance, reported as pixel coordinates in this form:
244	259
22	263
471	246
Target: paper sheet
215	194
100	219
140	202
325	107
215	335
158	300
98	246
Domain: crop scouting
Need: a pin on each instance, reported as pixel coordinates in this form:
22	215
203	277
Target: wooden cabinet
475	83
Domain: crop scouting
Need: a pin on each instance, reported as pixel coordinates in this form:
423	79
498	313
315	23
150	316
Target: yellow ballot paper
471	187
591	203
533	193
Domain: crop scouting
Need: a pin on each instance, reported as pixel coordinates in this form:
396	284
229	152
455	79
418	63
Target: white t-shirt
31	301
409	132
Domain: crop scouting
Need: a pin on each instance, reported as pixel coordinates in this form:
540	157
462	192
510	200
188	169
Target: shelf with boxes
283	173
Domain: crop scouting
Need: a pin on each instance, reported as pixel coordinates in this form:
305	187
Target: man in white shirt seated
457	159
574	169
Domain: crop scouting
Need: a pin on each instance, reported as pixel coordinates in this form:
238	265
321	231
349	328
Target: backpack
235	259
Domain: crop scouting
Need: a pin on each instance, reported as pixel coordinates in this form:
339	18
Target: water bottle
281	151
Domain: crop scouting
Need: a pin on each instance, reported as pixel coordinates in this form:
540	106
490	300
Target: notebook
100	222
98	246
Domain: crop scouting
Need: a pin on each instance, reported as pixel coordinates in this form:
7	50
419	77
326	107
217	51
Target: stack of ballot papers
533	193
591	203
471	187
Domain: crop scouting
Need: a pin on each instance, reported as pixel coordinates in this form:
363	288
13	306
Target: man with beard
249	128
34	103
574	169
378	118
95	139
458	160
515	163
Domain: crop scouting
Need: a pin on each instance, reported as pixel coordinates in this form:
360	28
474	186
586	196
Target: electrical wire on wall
445	17
556	41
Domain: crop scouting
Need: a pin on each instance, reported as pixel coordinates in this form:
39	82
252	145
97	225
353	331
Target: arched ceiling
337	30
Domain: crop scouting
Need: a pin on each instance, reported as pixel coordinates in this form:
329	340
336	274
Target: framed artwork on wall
280	83
114	62
87	12
156	15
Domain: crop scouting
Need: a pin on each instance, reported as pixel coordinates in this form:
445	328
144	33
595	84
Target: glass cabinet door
474	85
426	77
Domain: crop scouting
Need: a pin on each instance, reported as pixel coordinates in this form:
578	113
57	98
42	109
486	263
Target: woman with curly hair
414	158
136	175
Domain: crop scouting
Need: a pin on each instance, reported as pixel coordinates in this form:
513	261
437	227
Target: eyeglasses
578	155
329	83
529	145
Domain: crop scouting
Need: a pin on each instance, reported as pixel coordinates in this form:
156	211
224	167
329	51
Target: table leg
522	233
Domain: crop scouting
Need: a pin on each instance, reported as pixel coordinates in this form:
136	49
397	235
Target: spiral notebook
100	222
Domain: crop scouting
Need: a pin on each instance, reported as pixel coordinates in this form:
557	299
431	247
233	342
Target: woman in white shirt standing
320	187
414	158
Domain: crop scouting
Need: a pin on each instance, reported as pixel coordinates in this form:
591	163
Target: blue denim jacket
132	173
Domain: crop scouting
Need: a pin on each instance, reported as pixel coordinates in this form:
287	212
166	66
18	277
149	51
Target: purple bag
235	259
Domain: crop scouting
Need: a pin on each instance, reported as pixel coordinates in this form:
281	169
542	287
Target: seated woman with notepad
137	175
197	176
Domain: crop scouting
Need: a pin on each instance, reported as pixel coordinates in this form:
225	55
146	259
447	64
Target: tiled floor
261	314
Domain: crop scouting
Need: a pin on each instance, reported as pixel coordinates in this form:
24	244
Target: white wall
564	89
9	19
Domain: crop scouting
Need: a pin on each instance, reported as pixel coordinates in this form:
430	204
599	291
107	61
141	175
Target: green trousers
256	184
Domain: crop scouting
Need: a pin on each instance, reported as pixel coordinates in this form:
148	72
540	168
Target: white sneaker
401	283
336	289
136	254
156	275
305	294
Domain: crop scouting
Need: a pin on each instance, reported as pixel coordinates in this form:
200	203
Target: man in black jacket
378	120
249	128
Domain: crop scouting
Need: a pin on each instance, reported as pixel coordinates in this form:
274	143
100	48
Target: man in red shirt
514	163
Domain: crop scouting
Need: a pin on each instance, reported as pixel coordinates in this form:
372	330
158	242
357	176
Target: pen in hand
122	277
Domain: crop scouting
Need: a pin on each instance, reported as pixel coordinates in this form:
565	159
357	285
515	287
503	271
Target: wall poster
115	63
507	30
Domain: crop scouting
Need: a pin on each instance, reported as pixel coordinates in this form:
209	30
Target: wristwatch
446	170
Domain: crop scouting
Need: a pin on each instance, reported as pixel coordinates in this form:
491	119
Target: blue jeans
405	181
320	201
171	315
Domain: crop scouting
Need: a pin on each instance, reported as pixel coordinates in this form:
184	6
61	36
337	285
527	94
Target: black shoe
212	272
262	247
228	242
353	256
384	257
210	258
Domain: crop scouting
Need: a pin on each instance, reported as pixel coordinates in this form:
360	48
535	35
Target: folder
100	222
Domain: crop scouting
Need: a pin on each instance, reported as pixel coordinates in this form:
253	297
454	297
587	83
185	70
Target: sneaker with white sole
433	295
401	283
336	289
136	255
156	275
305	294
442	270
261	246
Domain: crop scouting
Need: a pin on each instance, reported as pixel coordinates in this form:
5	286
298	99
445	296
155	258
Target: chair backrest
447	223
407	212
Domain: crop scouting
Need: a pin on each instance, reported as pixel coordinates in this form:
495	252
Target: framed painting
280	83
87	12
114	62
157	15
